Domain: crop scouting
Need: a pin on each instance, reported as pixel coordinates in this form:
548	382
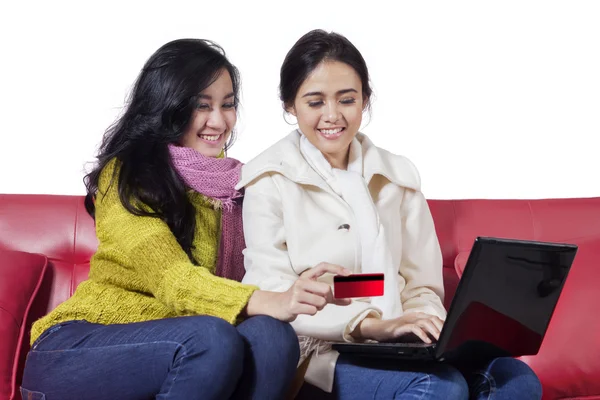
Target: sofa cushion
21	275
460	262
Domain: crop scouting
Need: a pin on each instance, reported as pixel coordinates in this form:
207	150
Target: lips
211	139
331	133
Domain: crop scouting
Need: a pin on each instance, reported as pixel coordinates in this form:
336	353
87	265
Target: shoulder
283	158
397	168
109	175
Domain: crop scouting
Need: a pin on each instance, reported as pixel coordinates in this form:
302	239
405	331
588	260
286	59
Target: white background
489	99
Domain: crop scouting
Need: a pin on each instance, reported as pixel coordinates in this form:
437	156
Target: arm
421	264
268	264
150	248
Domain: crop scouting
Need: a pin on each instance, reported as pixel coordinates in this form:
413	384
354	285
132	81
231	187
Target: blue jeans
369	378
198	357
504	378
366	379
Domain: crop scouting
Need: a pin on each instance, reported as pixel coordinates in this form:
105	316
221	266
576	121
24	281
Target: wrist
364	328
258	302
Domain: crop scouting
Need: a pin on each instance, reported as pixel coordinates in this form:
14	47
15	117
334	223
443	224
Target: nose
216	120
330	112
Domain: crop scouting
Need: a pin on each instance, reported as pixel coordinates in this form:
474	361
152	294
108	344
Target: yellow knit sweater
141	273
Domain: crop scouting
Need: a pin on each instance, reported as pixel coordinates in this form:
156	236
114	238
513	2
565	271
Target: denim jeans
198	357
371	378
368	378
503	378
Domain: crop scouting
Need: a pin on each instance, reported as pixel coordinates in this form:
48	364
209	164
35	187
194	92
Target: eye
315	103
229	106
349	100
202	106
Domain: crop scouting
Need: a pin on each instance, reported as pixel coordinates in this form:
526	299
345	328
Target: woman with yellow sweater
163	314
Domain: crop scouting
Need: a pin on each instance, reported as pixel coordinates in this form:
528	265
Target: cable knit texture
141	273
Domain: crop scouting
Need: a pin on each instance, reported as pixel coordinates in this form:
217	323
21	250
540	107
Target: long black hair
308	52
159	109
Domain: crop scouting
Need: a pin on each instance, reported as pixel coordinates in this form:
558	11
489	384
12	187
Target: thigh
78	360
82	334
362	378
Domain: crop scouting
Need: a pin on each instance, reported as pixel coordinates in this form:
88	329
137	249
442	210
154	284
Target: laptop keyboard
410	344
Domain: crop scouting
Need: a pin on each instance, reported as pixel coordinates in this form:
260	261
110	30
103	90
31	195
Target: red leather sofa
46	243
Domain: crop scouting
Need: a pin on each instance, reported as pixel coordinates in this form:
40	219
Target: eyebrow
207	97
339	92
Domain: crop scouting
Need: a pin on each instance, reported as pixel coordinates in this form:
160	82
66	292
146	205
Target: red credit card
358	285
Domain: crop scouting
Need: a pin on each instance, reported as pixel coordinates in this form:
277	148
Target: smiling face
213	119
329	106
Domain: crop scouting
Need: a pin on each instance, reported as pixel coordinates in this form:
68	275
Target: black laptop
502	306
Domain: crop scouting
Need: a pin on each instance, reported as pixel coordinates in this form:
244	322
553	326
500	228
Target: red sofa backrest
459	222
60	228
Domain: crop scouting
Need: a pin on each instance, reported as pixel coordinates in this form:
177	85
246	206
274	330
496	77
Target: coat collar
285	158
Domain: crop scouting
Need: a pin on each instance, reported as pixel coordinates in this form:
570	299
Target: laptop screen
506	296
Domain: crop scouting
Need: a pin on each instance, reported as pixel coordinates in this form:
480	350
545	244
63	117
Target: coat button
344	226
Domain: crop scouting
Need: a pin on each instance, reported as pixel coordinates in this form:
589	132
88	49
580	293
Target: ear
365	102
291	110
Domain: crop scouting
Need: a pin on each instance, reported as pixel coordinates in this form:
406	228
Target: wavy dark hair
158	111
308	52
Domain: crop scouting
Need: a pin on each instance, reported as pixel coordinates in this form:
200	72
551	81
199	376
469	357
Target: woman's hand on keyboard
424	326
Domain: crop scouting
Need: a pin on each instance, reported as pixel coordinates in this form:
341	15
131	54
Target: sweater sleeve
150	248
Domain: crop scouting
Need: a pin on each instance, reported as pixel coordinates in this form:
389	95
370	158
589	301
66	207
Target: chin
208	152
333	147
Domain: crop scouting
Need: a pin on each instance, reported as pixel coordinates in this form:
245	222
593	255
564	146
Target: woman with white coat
327	194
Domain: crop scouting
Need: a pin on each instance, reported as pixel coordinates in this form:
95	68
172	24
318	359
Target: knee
447	379
214	341
278	337
515	373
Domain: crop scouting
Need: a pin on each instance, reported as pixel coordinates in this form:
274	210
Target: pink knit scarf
216	178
